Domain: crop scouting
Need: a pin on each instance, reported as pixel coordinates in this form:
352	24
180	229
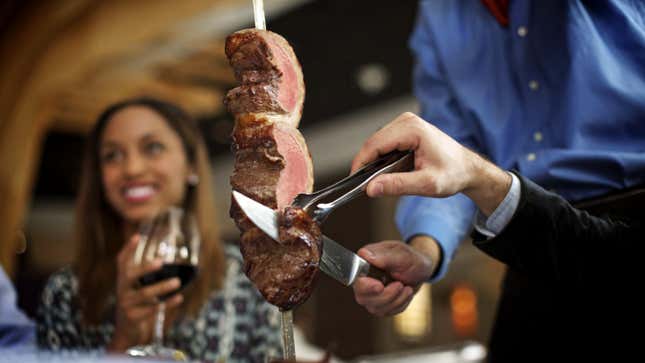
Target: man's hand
404	263
442	166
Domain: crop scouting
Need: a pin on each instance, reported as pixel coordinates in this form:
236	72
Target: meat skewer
258	14
272	166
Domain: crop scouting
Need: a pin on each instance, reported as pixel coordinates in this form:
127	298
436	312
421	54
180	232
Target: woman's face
143	163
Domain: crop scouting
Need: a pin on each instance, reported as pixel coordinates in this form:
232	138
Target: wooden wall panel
64	61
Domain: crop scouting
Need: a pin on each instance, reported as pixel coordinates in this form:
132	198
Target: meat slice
273	161
272	165
269	73
284	271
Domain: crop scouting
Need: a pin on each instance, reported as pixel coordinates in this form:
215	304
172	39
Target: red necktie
499	9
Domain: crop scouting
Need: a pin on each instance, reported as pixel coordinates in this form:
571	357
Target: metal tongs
337	261
395	161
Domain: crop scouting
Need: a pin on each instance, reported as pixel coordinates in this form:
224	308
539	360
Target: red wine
185	272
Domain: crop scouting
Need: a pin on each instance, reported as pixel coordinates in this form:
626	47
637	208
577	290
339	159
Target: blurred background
63	61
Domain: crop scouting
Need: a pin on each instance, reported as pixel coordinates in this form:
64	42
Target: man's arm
441	168
444	222
15	327
559	243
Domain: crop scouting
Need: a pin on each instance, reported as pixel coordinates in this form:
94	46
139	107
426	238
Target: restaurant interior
64	61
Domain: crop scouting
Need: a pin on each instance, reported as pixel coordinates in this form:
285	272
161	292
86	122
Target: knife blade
336	261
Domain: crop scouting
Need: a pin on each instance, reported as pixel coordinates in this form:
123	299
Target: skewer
288	346
258	14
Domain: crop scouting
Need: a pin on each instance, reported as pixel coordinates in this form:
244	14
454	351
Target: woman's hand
136	304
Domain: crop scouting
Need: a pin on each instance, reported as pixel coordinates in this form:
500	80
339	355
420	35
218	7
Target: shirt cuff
447	220
495	223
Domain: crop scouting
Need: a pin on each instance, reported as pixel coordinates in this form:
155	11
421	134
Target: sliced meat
264	58
284	271
272	165
298	173
271	162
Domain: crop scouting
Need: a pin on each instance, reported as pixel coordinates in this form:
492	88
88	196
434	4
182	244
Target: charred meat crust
284	271
253	98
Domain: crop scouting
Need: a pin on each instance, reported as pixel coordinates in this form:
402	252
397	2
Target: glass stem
158	333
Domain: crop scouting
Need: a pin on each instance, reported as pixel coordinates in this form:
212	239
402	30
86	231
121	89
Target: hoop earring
193	180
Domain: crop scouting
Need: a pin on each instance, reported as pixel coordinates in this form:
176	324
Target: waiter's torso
558	94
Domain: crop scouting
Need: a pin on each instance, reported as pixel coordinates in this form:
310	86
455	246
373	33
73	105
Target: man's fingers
391	256
377	304
379	254
400	303
388	294
363	157
380	300
365	288
378	144
370	256
393	136
408	183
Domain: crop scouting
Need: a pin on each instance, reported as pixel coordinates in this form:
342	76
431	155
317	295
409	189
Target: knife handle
376	273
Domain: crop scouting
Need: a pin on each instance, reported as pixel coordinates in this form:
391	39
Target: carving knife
336	261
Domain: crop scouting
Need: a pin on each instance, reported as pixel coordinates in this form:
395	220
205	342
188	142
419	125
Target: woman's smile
137	193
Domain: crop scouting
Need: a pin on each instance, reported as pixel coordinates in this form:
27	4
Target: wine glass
173	237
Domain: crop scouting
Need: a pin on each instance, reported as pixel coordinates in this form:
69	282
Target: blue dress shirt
558	95
15	328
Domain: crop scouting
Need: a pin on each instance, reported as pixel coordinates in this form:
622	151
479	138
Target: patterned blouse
235	324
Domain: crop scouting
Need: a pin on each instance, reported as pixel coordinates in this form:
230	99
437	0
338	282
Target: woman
143	156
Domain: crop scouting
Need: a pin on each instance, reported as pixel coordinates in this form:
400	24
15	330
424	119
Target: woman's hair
99	228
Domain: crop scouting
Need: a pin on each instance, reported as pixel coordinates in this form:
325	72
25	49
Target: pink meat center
287	95
293	178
